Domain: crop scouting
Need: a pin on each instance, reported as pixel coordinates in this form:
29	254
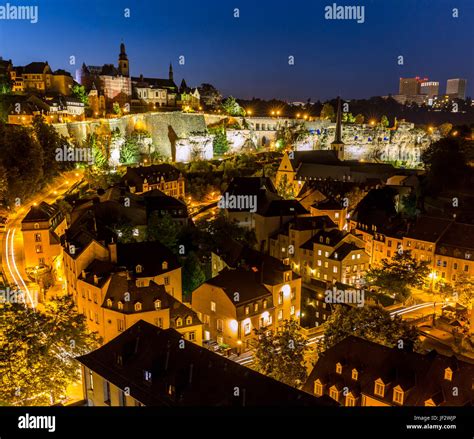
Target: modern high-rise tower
456	88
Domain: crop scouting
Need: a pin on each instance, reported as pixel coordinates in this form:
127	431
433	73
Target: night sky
248	56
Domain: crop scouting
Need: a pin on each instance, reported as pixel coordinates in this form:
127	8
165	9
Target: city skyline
154	37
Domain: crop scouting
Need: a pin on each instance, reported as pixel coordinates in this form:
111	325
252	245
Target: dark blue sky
248	56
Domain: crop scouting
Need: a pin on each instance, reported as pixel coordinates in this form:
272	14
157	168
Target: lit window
179	322
138	268
213	306
247	310
265	304
280	314
350	401
189	320
318	388
255	307
334	394
138	306
339	368
164	265
280	297
247	328
448	374
109	302
398	396
147	376
334	269
157	304
379	389
355	374
292	310
120	305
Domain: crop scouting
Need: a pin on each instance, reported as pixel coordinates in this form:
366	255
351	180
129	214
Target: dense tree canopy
398	275
38	350
280	354
370	322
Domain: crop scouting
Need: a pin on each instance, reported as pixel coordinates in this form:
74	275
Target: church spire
123	65
170	74
338	144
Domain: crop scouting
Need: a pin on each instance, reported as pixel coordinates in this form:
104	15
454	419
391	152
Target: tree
280	354
359	119
193	275
446	164
130	150
348	118
398	275
231	107
116	109
327	112
220	144
462	290
164	229
285	189
38	351
22	156
370	322
80	93
50	142
384	121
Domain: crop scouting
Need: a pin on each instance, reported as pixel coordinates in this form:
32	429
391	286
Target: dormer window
448	374
265	304
327	240
147	376
334	393
321	239
318	388
379	388
255	307
179	322
120	305
398	395
189	320
355	374
157	304
138	306
164	265
36	226
339	368
109	303
138	268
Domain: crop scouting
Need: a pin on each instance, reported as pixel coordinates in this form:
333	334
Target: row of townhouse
446	245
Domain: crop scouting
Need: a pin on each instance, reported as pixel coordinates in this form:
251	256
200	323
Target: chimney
96	280
83	274
113	252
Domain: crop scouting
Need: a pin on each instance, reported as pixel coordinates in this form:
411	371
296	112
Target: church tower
123	66
170	74
338	144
